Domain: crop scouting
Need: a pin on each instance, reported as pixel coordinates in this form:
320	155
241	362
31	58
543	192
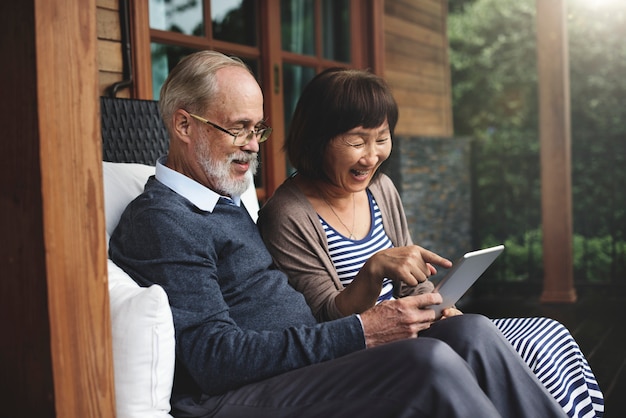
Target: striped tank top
348	255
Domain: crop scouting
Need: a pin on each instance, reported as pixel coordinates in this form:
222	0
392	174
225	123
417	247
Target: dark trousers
460	367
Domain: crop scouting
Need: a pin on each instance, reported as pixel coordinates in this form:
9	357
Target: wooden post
70	150
55	355
555	138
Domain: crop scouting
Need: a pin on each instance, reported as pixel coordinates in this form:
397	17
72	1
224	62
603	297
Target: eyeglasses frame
263	133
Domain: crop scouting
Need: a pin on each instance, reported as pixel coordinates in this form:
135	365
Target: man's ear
181	124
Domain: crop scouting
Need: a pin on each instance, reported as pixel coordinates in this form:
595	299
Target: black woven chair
132	131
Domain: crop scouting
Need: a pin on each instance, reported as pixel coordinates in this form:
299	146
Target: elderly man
247	344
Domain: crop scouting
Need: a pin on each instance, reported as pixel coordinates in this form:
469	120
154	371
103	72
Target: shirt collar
202	197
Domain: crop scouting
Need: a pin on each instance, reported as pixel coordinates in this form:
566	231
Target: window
285	43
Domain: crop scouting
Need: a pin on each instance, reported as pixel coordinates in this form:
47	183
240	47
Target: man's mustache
245	157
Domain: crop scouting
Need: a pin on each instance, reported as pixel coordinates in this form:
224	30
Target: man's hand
398	319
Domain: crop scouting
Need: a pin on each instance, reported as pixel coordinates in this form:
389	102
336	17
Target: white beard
219	171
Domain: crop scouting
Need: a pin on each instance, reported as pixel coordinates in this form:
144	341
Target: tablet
462	275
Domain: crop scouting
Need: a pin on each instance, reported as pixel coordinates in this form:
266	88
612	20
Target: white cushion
141	319
122	183
143	347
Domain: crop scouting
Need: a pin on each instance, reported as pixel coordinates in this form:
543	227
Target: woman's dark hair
334	102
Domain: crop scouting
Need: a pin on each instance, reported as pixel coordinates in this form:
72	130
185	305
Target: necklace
350	230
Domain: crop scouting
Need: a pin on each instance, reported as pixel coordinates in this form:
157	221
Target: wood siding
416	65
110	63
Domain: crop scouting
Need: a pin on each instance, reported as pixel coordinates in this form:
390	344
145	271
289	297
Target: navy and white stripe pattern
554	356
349	255
545	344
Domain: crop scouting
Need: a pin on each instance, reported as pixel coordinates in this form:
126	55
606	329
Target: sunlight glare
597	4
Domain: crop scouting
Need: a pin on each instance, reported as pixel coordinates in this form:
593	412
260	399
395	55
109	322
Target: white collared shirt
202	197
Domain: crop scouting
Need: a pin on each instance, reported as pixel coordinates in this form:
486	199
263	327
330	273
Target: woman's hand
448	312
411	265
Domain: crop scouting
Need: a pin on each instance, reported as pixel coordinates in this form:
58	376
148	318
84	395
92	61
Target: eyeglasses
242	137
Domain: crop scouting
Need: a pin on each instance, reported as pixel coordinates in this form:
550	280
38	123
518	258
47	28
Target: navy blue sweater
237	320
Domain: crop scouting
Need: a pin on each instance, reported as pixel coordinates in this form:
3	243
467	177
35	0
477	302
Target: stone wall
433	178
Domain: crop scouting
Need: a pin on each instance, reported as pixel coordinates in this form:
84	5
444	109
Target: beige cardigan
294	236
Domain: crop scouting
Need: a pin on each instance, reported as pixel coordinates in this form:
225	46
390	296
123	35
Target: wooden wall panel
426	100
402	81
106	79
107	4
424	13
417	66
110	64
110	56
412	31
108	25
428	122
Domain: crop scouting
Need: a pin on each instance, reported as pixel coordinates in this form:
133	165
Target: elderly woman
338	229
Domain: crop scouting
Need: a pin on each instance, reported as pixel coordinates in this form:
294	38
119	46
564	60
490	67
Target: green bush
595	259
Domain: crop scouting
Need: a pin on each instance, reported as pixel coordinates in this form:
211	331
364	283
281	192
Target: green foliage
594	258
492	48
494	91
598	89
525	257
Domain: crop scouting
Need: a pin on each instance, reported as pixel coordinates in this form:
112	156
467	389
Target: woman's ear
182	125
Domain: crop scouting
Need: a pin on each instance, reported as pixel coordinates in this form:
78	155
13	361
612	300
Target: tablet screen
464	272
